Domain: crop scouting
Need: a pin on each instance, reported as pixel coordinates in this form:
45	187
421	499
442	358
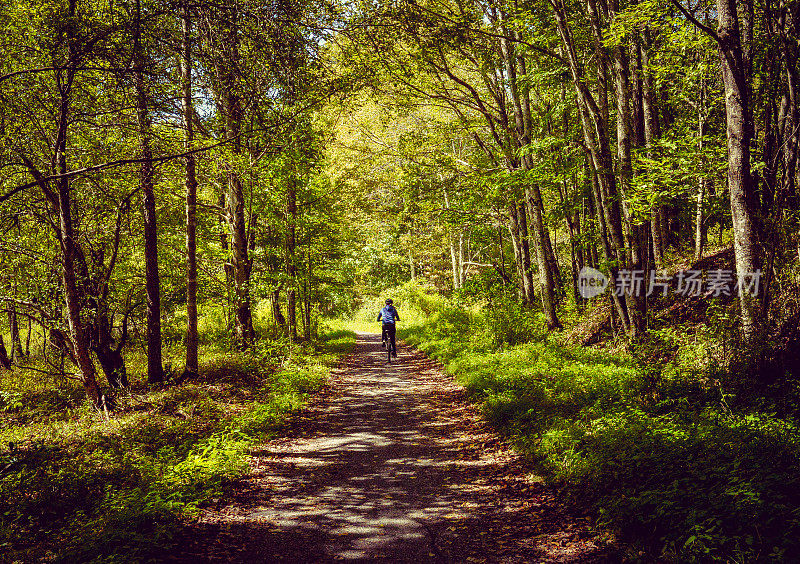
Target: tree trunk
546	279
619	304
111	361
513	231
790	127
155	370
455	266
531	219
277	314
651	133
699	216
576	258
454	262
739	121
635	232
5	362
229	106
594	122
28	338
525	252
307	300
17	352
79	342
190	184
291	267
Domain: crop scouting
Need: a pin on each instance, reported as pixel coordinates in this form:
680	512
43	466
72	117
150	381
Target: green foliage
468	321
79	487
508	322
644	439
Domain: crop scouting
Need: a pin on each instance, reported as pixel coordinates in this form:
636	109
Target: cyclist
388	316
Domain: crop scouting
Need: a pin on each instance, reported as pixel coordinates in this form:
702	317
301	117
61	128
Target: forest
587	212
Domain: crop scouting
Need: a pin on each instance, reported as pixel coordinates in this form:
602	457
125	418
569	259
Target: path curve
390	463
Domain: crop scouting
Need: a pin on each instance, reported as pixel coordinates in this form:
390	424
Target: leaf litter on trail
462	495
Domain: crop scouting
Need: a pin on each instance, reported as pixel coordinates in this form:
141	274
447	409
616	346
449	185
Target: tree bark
17	352
307	300
455	262
230	108
78	343
291	267
636	232
699	216
5	362
790	126
111	361
533	206
155	369
594	121
190	184
739	120
28	338
513	232
651	133
277	314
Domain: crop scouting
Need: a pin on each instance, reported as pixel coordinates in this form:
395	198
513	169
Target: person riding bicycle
388	316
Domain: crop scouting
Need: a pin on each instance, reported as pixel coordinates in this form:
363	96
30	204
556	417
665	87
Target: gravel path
390	463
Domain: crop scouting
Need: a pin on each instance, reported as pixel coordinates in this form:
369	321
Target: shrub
644	439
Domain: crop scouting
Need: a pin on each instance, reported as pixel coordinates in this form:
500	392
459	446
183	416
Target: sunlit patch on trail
391	463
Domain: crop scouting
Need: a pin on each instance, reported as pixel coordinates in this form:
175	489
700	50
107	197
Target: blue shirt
388	315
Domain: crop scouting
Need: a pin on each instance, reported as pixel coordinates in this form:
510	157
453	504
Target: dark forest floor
391	463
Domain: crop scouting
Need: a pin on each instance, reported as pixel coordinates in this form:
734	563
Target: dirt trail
391	463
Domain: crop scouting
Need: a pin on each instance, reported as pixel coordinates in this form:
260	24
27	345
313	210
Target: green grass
76	485
652	450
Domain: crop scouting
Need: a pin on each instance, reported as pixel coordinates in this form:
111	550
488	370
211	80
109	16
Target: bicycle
387	316
388	342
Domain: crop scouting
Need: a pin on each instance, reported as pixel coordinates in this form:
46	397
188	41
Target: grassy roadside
78	486
653	450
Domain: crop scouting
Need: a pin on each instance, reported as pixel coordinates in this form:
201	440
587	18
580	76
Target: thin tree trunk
17	352
461	260
576	261
651	133
155	369
28	338
594	121
454	262
533	205
307	301
291	268
699	216
190	184
635	232
546	278
525	253
229	105
513	231
5	362
790	130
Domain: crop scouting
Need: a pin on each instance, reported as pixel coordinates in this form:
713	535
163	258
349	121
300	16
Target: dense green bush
77	486
509	322
647	439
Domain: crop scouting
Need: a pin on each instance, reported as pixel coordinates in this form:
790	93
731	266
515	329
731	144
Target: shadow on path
390	463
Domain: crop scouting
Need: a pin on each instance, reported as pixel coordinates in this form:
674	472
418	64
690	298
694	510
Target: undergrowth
646	439
76	485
